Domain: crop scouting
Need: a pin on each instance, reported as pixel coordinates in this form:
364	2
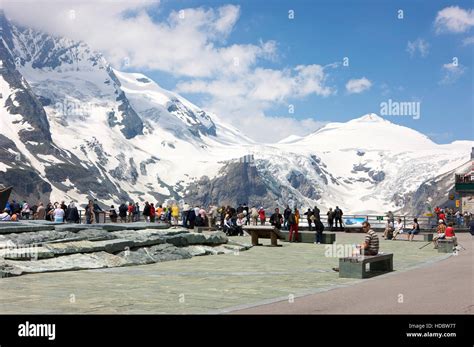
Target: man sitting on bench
371	242
441	233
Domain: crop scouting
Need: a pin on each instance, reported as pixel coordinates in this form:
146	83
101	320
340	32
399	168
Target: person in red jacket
450	235
442	216
261	214
152	213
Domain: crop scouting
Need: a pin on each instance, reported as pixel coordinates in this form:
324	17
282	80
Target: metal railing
376	221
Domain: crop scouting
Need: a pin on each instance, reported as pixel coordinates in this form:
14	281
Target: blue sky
375	40
249	63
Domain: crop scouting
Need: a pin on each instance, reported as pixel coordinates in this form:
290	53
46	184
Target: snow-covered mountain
72	127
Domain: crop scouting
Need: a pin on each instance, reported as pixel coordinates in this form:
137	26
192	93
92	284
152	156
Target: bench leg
385	265
254	238
351	270
274	239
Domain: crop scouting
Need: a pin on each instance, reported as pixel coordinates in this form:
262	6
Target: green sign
379	217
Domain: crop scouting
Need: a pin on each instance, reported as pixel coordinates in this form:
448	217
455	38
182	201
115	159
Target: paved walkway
225	283
443	287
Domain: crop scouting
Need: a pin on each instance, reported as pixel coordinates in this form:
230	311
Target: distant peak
370	117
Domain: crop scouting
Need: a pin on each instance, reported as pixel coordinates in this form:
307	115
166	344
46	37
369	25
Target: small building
464	188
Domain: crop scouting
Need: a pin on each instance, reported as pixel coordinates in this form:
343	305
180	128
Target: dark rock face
125	171
24	102
32	186
377	176
236	183
132	123
303	185
196	126
85	179
433	192
28	184
360	168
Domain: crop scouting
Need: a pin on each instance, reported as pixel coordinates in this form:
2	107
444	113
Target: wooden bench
445	246
264	232
355	267
310	237
349	230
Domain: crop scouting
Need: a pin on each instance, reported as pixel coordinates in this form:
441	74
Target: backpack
292	219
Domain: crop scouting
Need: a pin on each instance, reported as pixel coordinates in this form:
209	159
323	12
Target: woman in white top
58	214
25	211
398	228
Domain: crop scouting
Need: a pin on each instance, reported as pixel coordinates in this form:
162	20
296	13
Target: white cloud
355	86
454	19
244	99
189	42
468	41
420	46
451	73
249	116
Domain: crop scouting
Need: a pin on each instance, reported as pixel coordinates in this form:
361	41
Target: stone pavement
445	287
209	284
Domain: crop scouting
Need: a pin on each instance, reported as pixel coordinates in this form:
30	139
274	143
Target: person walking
319	227
293	235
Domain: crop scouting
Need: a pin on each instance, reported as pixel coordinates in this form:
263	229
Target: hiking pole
425	245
